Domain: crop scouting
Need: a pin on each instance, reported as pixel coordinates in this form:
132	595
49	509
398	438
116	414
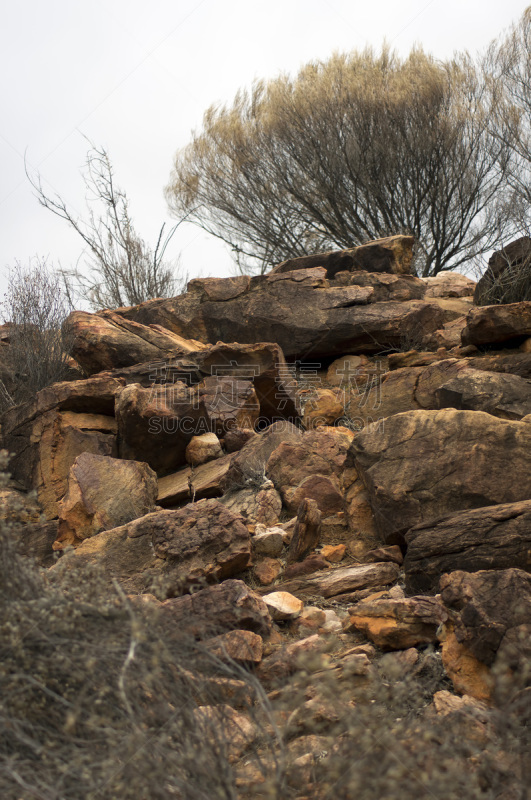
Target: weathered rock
468	674
310	468
46	446
107	340
291	657
307	318
216	609
485	605
397	624
235	439
323	407
338	581
248	465
158	423
103	493
334	553
497	324
348	370
201	449
244	647
504	396
449	284
267	571
283	605
448	461
392	254
261	507
307	533
269	542
498	273
131	561
194	484
496	537
384	287
203	540
265	366
35	540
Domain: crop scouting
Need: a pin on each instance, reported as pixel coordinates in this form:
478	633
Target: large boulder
504	396
498	324
310	468
496	537
392	254
499	279
397	624
301	311
227	606
203	540
46	445
103	493
486	610
107	340
421	465
157	424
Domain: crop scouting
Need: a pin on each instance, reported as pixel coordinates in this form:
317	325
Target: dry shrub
38	351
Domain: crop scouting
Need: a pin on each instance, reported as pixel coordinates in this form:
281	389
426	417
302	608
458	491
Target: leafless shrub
123	269
35	306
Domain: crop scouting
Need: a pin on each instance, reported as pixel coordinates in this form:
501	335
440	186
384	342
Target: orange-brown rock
46	446
267	570
216	609
107	340
201	449
323	407
498	324
468	674
307	531
495	537
392	254
448	461
397	624
157	423
103	493
334	552
203	540
311	468
244	647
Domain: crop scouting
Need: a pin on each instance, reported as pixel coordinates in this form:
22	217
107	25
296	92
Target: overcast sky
136	78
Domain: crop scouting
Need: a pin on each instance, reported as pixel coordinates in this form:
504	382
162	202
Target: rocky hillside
333	455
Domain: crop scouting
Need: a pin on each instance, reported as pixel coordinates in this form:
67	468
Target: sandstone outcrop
496	537
103	493
424	464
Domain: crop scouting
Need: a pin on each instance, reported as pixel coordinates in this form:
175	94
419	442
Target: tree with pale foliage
354	148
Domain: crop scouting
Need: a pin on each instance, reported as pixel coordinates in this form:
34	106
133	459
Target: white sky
136	78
